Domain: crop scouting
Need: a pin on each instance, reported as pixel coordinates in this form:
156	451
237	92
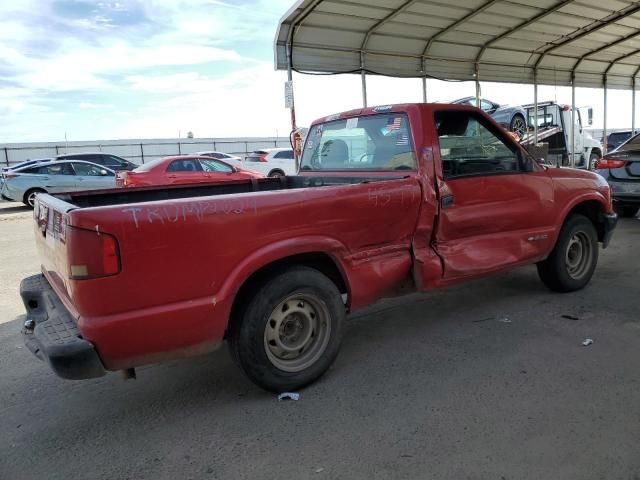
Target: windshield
377	142
632	144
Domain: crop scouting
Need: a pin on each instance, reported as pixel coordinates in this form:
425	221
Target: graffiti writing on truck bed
182	212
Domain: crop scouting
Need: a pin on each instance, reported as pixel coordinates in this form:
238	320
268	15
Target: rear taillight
605	162
263	158
92	254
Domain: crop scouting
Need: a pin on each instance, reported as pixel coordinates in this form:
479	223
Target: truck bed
122	196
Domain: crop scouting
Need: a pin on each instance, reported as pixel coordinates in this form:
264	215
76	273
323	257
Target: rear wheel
518	126
289	333
276	173
30	196
573	260
627	211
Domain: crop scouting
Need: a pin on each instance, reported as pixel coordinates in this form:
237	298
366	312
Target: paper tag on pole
288	94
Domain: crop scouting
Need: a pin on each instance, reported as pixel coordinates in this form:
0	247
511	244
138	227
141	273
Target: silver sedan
23	184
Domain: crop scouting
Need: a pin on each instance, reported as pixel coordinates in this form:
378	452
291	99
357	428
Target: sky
89	70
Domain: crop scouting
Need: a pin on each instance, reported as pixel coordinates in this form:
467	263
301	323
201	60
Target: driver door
495	205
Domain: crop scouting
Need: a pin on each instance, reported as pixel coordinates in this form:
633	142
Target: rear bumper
52	335
626	199
610	222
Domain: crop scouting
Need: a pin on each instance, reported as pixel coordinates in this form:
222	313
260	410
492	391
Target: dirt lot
487	380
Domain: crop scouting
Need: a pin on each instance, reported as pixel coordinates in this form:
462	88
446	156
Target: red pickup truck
387	198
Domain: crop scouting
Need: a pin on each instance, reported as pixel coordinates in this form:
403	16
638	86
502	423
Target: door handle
446	201
171	176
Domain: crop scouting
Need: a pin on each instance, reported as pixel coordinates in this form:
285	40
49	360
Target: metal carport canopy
596	42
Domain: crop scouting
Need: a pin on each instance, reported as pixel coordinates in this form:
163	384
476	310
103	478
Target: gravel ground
487	380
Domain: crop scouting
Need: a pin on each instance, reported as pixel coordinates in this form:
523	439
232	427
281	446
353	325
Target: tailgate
50	217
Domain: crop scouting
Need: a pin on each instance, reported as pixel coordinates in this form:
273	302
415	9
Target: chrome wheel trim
579	255
297	332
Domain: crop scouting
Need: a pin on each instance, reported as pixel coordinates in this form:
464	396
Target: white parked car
220	156
272	162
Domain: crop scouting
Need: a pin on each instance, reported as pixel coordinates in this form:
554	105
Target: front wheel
289	333
593	160
573	260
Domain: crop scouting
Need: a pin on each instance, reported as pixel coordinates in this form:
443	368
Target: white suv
272	162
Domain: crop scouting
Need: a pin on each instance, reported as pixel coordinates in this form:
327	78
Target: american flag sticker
402	139
394	123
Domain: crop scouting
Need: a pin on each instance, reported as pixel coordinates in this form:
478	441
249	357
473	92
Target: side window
286	154
60	169
115	161
486	106
213	166
188	165
86	169
468	147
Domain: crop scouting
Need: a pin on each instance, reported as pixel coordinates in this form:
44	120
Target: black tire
29	196
627	211
276	173
518	126
259	332
563	271
593	158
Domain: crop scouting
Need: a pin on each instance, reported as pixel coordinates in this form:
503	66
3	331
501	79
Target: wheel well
318	261
592	209
597	151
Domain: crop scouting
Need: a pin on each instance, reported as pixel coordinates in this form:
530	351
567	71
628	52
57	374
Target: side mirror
103	172
590	116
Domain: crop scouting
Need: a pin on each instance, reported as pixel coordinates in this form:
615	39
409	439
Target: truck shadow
18	208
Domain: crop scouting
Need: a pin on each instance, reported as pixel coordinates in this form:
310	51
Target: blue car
621	168
511	118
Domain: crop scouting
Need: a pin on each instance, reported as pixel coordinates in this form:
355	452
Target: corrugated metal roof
505	39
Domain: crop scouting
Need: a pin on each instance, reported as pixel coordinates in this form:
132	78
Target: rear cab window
376	142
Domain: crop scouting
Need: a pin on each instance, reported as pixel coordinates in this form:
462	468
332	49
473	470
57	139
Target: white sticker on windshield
352	123
309	144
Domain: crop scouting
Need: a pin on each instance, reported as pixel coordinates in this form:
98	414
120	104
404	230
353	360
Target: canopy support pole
293	105
363	76
477	75
604	130
573	120
424	80
633	106
535	107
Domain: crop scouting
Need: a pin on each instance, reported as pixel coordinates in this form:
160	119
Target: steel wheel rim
297	332
31	199
578	255
519	127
